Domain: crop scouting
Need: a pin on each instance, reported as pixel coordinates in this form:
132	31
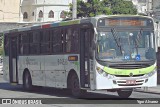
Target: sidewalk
155	90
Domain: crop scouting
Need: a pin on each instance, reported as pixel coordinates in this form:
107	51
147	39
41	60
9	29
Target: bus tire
124	93
27	82
74	84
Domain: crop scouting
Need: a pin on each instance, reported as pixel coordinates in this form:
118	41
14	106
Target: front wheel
75	89
124	93
27	82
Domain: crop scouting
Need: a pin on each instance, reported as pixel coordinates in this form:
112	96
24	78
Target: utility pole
74	9
20	7
149	7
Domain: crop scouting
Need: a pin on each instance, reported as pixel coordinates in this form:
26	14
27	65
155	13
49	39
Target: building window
40	14
51	14
25	15
62	15
32	13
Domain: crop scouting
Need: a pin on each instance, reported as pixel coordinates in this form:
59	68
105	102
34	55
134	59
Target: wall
9	10
45	6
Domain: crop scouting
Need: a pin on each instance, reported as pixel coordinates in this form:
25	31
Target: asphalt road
62	96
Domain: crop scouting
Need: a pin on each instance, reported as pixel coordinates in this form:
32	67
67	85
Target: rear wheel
75	89
124	93
27	82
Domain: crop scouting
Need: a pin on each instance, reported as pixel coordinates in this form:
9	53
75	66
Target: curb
147	91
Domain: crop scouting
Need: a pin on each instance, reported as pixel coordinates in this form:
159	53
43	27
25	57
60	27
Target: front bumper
121	82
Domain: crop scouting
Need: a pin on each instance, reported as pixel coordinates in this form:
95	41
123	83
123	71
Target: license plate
131	82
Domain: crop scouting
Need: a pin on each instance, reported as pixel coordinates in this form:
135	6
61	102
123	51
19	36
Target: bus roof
70	22
110	16
42	26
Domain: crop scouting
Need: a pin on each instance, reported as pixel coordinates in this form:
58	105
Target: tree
96	7
90	8
122	7
107	7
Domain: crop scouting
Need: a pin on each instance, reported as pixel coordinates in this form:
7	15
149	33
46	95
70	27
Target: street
9	91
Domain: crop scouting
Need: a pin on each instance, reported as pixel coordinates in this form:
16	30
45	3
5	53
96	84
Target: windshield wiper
116	38
137	39
139	35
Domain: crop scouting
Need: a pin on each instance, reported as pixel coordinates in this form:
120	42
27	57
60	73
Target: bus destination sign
126	22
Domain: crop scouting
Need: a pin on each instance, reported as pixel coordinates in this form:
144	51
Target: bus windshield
132	45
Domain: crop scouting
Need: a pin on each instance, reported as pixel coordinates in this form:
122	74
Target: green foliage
1	44
122	7
1	51
90	8
107	7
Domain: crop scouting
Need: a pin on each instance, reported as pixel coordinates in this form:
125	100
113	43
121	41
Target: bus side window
20	45
31	46
72	40
34	42
52	41
75	41
45	41
25	43
57	41
68	40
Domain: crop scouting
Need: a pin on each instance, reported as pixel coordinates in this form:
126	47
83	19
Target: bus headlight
99	70
110	76
105	74
151	73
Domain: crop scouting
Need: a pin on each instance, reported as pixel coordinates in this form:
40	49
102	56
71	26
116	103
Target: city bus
115	53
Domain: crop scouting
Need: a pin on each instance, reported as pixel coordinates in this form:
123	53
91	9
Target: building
43	10
18	13
141	6
9	15
156	9
33	10
9	10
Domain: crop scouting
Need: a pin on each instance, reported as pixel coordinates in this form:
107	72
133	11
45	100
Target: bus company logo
126	57
131	74
6	101
21	101
138	57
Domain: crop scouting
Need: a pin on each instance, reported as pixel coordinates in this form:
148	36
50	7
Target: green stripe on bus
77	64
69	23
128	71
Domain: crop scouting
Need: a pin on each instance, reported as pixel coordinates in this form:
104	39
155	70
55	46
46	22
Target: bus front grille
128	66
124	83
129	76
130	84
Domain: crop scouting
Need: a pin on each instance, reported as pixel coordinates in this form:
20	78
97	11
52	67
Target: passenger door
13	72
85	40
